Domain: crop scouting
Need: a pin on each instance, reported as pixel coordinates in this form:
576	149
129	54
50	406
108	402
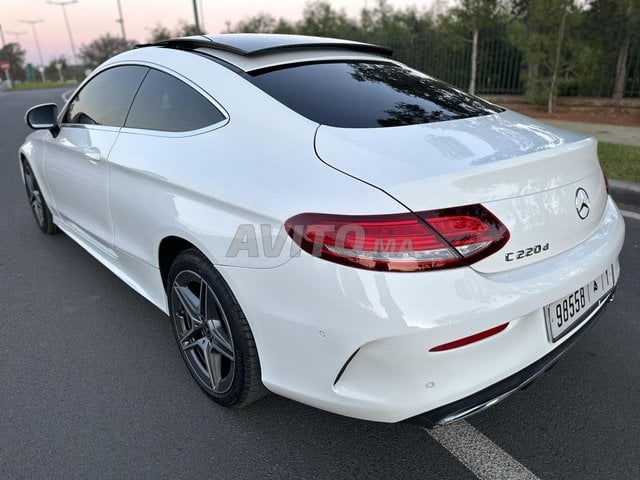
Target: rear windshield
366	94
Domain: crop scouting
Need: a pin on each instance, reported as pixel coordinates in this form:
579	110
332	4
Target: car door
76	168
154	162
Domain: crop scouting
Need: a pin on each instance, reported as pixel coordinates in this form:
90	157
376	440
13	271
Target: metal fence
502	66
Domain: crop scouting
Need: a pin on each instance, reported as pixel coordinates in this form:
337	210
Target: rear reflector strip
470	339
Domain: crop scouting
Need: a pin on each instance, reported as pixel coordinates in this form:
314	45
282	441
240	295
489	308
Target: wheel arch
27	154
23	159
173	245
168	249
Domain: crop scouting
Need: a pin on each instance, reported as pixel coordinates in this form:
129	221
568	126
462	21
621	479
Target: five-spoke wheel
39	207
212	332
203	331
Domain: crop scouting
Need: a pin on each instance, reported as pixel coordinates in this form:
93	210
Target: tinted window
363	94
105	99
165	103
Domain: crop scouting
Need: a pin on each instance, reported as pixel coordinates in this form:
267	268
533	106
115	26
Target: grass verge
37	85
621	162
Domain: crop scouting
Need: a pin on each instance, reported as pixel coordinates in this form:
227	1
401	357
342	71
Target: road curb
625	192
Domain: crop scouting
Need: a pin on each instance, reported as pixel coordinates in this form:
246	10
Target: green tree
159	33
103	48
320	18
566	46
520	32
13	54
384	22
541	33
614	26
378	23
475	15
64	73
564	7
260	23
185	29
381	21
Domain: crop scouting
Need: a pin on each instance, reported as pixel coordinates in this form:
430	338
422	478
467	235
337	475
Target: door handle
92	153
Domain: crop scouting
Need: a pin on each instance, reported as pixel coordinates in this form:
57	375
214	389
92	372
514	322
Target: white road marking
628	214
475	451
65	96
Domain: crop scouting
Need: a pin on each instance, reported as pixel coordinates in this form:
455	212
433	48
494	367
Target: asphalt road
93	386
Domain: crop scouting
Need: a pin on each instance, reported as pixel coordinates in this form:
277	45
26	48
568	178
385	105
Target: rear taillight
405	242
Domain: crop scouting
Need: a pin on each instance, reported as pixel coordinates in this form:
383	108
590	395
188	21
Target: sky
90	19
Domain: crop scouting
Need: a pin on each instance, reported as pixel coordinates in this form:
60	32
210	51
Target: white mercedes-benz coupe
323	222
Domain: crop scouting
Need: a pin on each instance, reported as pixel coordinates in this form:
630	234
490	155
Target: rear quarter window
367	95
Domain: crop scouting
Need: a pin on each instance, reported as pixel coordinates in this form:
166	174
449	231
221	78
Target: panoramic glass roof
250	44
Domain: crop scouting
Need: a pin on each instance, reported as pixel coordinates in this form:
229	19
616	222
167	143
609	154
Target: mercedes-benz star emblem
582	203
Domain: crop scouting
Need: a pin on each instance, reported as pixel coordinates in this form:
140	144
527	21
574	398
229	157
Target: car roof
250	51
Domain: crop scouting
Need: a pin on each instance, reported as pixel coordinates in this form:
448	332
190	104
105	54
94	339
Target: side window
165	103
106	98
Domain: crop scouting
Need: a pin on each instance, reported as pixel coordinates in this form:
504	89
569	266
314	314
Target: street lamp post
66	21
195	14
120	20
203	29
35	36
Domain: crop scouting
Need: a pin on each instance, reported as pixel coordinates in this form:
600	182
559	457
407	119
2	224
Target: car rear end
388	346
503	249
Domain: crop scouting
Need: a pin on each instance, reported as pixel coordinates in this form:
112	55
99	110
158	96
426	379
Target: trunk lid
532	176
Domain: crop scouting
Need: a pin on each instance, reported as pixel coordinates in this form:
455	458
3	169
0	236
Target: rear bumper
499	391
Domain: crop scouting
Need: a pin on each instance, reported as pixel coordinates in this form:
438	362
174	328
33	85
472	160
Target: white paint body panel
308	316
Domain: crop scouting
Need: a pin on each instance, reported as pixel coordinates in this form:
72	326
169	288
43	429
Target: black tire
213	334
37	203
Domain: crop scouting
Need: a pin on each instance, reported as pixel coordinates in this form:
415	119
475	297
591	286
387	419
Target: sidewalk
604	133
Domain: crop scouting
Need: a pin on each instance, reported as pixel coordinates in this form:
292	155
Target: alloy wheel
203	332
34	195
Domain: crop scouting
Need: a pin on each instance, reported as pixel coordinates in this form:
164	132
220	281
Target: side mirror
43	117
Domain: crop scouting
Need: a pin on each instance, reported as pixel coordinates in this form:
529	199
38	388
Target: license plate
565	314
